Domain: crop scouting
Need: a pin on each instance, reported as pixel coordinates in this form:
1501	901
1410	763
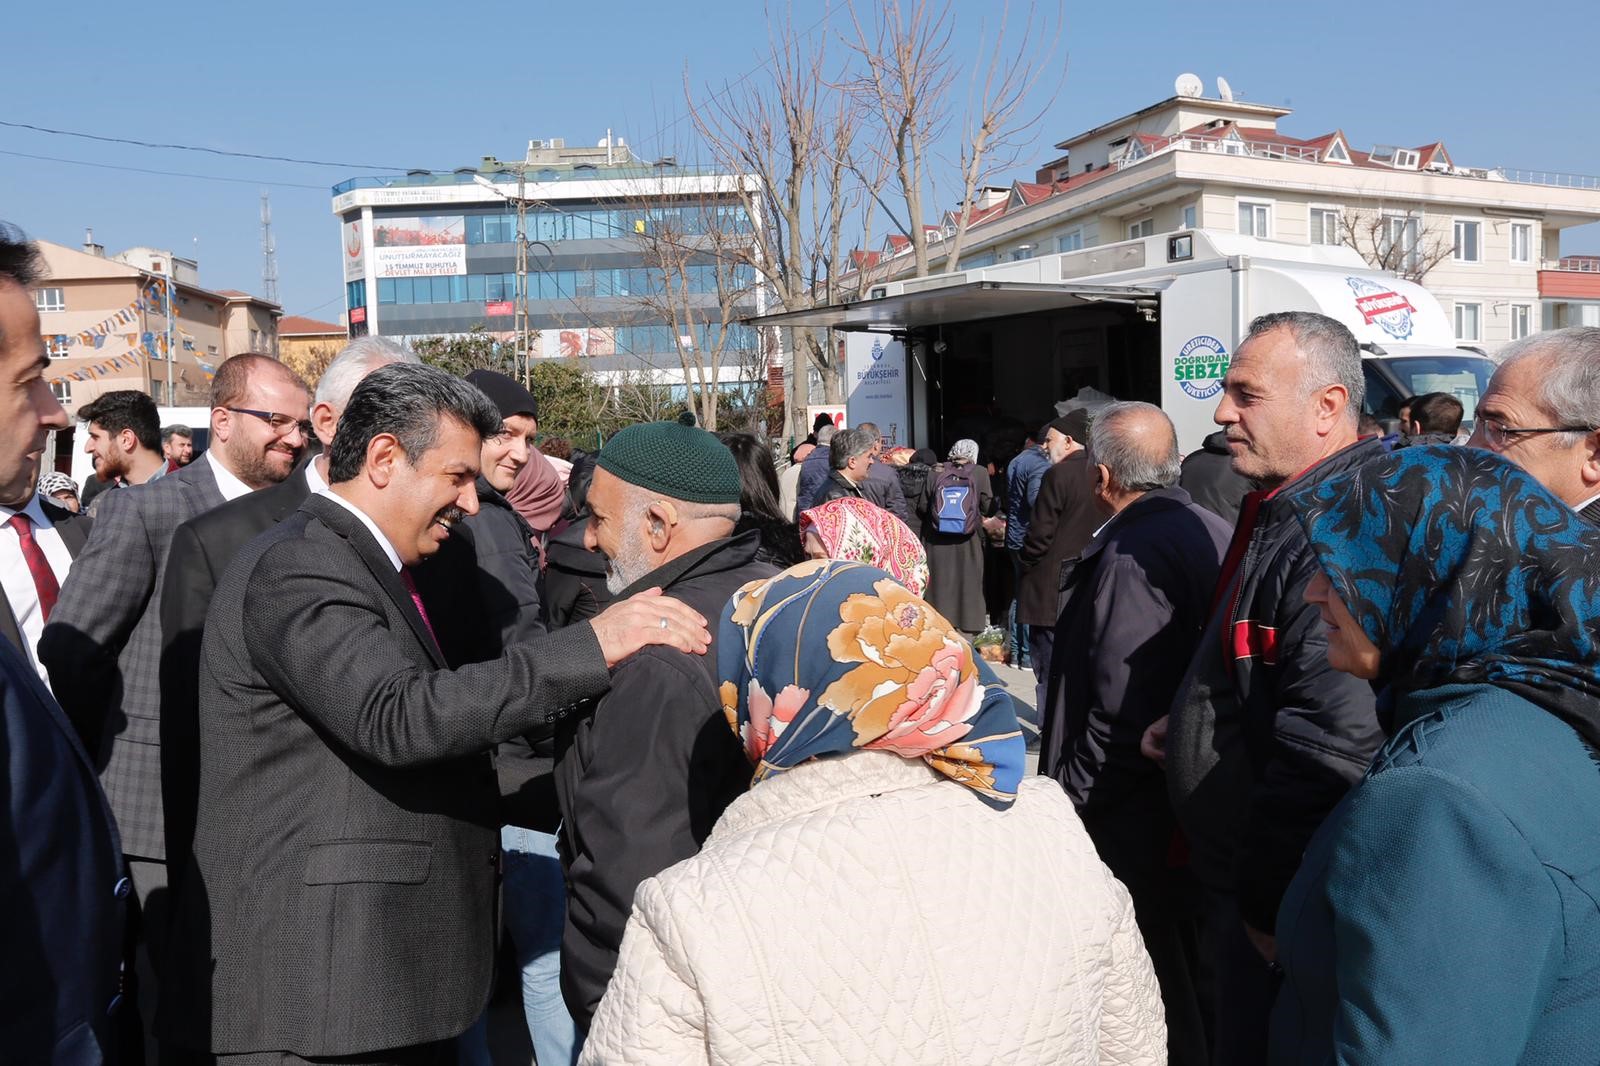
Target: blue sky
439	85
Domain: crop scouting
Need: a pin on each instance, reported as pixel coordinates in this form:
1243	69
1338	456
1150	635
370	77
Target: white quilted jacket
868	910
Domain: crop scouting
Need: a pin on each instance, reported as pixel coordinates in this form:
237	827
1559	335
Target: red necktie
44	578
416	598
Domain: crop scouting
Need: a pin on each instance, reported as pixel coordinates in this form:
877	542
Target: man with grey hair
849	459
1542	411
340	897
1264	736
1135	601
201	550
651	770
882	485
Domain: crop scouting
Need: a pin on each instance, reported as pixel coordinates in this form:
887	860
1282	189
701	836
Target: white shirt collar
372	527
33	509
1586	503
314	479
230	487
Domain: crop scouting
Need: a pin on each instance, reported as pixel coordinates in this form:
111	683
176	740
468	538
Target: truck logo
1200	365
1379	305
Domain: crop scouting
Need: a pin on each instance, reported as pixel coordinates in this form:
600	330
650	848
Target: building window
1191	216
1404	231
53	299
57	346
211	349
1469	242
62	391
1325	225
1522	242
1255	219
355	294
1022	251
158	391
1336	153
255	340
1521	321
1142	228
1469	322
1405	159
1070	241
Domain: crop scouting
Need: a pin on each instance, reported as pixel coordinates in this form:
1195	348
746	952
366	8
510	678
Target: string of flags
141	346
153	297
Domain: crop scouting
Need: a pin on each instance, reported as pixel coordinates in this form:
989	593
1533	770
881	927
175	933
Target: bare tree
908	70
778	128
1397	242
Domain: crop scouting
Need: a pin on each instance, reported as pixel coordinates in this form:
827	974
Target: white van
1153	319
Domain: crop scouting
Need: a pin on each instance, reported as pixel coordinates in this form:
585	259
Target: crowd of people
299	728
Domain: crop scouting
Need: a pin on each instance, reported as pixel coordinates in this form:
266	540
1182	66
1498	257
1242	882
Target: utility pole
524	357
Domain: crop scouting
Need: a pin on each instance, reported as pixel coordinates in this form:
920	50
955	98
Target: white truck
937	358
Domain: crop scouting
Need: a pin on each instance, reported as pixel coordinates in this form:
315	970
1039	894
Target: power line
164	173
197	148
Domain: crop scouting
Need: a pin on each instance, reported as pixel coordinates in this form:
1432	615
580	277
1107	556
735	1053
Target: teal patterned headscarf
828	658
1462	568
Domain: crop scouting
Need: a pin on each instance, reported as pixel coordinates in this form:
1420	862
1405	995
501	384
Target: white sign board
875	375
355	250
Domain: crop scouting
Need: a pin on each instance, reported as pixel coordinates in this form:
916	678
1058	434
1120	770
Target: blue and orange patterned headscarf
1461	567
828	658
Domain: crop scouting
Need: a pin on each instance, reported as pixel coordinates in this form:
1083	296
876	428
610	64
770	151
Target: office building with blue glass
428	254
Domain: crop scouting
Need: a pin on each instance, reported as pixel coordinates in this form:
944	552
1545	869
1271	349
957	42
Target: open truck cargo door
937	302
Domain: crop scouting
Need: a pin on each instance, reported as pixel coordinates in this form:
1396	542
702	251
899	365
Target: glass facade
553	285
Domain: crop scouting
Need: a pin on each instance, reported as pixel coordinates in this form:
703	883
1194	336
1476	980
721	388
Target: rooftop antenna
269	251
1188	85
1224	90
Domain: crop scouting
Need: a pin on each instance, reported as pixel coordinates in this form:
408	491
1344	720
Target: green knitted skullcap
678	461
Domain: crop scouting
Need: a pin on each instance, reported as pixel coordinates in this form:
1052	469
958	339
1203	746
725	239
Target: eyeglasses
1502	435
281	424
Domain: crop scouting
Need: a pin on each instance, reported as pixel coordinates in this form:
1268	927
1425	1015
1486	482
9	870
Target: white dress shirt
230	487
17	580
372	527
314	478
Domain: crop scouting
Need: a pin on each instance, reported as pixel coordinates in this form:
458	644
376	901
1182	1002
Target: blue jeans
535	897
1016	632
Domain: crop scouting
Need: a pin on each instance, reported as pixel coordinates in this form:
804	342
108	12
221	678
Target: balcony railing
1579	264
544	174
1547	177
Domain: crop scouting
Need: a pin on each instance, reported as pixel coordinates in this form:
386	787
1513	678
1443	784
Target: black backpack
954	506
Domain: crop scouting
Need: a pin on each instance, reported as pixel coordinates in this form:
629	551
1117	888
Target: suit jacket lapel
8	623
202	485
355	531
72	528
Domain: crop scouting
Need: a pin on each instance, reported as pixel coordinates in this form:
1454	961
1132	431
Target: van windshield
1391	380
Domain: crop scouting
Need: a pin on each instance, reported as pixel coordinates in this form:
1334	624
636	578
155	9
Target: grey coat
103	645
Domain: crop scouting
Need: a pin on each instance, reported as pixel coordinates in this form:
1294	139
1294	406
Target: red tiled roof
231	292
860	260
296	325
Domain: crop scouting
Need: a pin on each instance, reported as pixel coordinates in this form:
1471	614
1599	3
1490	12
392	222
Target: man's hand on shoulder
649	618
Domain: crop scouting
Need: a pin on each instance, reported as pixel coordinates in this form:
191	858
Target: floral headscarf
1461	567
860	531
828	658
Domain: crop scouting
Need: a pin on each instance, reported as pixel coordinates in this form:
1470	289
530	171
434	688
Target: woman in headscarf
539	495
957	488
858	530
1446	912
892	888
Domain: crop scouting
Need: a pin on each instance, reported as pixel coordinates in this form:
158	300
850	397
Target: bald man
1136	605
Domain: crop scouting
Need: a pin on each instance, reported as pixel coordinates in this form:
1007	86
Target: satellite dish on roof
1188	85
1224	90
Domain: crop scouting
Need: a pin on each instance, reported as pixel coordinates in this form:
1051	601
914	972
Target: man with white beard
650	771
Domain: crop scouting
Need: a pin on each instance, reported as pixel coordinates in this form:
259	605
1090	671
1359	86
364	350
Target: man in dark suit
62	885
340	897
1136	601
1063	520
201	550
652	769
102	645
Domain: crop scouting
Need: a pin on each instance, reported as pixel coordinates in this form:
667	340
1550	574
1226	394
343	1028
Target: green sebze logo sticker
1200	365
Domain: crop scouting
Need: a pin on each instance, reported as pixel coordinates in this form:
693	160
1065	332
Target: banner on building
355	251
425	246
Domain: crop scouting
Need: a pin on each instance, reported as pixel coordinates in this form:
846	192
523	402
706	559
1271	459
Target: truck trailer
937	358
